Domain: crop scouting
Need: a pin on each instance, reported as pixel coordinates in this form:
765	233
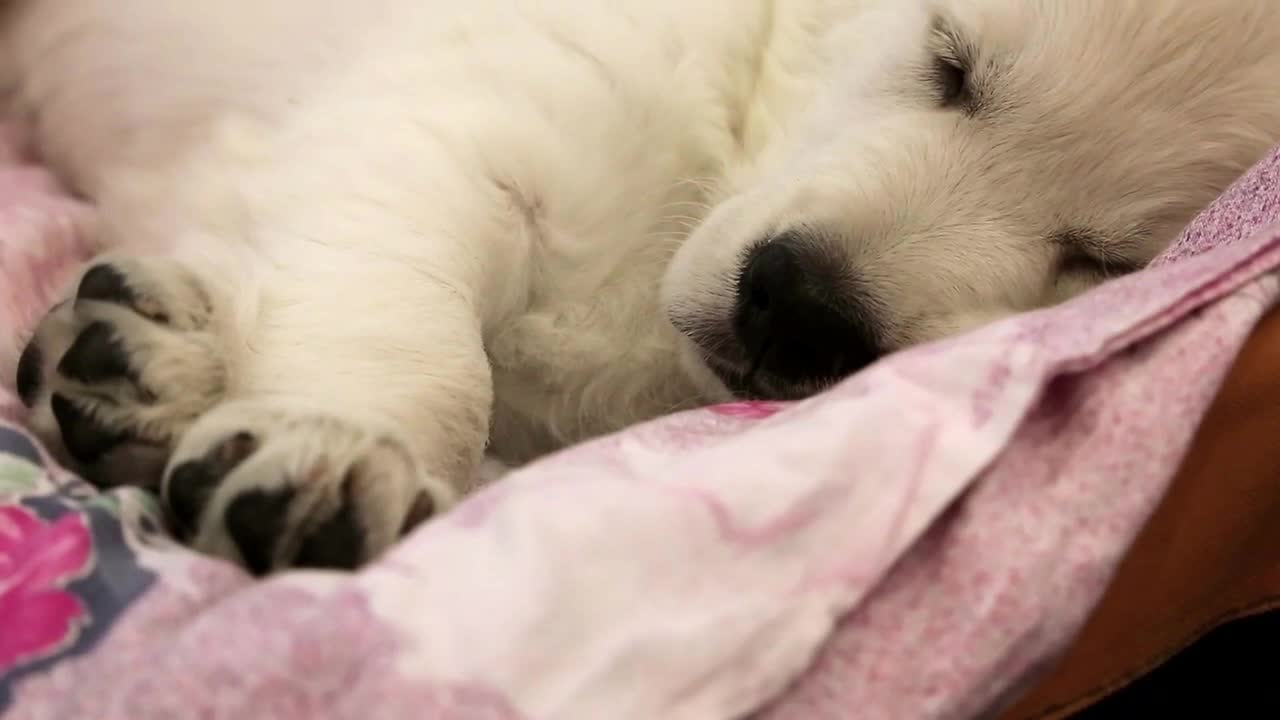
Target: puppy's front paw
118	370
271	486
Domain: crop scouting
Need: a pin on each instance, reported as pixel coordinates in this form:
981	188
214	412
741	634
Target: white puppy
349	245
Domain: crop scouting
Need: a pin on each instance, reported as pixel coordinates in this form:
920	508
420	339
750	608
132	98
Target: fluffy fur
350	245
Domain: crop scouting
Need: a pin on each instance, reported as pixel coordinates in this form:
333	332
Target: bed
970	528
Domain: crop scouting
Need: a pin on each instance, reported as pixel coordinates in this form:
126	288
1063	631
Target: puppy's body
355	242
543	159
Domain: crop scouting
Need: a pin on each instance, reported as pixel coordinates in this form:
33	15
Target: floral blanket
917	543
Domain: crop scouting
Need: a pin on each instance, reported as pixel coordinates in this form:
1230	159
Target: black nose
798	318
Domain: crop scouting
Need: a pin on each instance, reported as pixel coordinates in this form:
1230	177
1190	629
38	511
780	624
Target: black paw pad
28	380
338	542
256	520
192	483
84	436
106	284
97	355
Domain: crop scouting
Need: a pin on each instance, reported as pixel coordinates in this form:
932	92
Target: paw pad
84	436
106	284
97	355
257	520
337	542
192	483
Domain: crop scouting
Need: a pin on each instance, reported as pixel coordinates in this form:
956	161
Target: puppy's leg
311	425
365	410
350	396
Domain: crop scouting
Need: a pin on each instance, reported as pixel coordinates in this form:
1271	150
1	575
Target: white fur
476	221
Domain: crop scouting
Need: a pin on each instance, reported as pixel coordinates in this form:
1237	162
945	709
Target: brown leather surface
1209	554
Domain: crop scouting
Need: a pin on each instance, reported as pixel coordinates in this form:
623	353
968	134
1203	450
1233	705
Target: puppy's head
972	159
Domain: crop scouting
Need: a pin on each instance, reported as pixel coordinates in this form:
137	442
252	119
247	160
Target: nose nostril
767	277
759	298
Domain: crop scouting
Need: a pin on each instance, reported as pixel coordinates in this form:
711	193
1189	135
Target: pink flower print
750	410
38	616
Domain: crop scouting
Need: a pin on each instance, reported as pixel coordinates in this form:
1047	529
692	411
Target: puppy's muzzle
800	320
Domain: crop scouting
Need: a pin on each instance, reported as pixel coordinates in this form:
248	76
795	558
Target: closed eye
1085	253
951	66
1074	262
952	80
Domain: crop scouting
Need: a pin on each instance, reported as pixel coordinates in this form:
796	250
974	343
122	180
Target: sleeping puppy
349	246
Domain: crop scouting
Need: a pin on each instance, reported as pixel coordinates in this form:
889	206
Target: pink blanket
916	543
